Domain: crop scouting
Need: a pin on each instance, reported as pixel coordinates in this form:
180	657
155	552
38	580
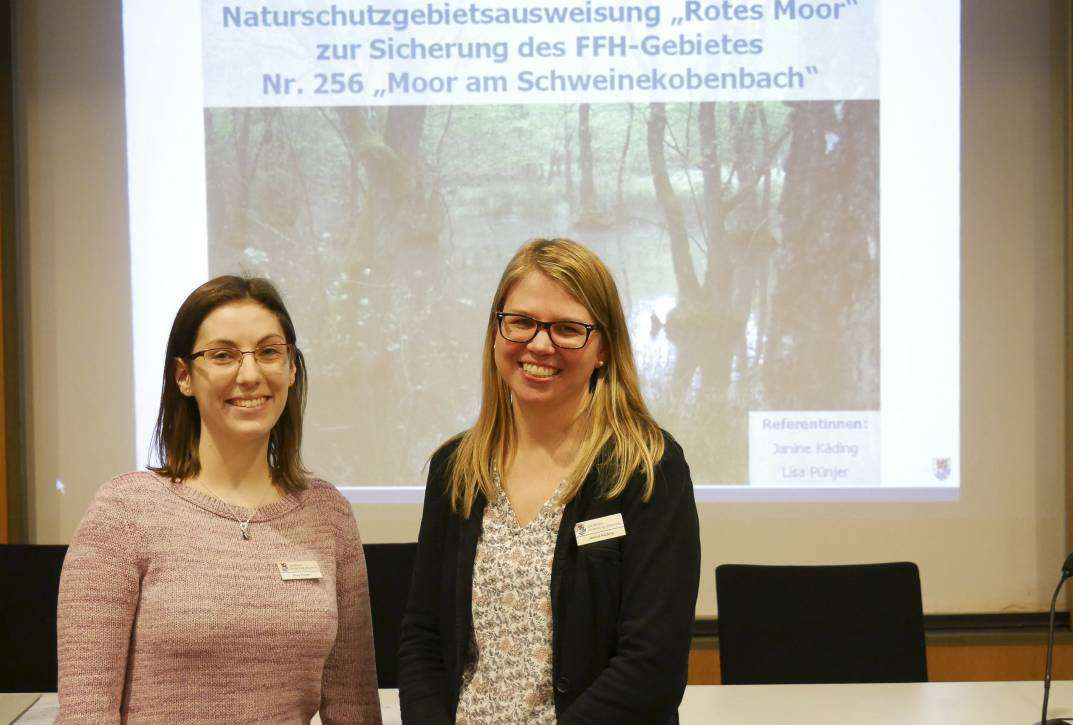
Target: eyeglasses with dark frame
270	356
564	334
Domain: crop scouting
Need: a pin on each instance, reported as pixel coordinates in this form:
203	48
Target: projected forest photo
744	238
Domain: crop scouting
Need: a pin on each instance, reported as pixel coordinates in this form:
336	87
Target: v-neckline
549	505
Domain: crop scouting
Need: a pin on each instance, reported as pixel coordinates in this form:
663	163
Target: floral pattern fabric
508	673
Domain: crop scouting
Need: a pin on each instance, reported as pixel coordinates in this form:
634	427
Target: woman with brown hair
225	584
559	553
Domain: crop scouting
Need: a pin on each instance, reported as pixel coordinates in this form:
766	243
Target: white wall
73	255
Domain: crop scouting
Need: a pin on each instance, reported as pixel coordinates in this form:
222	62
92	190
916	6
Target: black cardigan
622	609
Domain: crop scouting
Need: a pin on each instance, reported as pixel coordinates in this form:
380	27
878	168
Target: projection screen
774	185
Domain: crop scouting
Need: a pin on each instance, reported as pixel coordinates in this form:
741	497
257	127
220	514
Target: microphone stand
1067	572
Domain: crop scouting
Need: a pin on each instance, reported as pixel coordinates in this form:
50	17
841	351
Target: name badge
593	530
291	570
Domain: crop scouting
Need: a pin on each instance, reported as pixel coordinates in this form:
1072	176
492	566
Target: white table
46	707
938	703
941	703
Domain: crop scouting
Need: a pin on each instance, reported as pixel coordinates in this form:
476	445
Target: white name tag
290	570
605	527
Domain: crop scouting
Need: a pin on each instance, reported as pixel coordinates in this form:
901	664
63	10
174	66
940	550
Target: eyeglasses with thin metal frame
270	356
564	334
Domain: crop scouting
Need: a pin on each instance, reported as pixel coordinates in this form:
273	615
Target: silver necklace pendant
245	527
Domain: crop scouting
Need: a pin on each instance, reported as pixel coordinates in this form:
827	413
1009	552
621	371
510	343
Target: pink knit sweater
167	615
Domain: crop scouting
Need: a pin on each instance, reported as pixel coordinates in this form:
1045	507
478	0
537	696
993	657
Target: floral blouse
508	678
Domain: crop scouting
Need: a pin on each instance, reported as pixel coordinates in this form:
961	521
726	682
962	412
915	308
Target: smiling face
537	372
237	403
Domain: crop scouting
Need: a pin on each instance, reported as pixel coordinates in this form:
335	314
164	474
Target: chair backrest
31	585
390	567
820	624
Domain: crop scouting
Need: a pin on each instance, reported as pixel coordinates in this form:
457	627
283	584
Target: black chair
820	624
390	567
31	585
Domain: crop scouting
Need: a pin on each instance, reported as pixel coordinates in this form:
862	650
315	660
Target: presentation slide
774	185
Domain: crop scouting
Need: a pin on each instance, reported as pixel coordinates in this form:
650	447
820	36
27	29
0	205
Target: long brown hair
618	433
178	423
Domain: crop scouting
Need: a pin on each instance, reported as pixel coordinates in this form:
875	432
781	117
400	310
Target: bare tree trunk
825	309
587	189
360	139
291	204
620	206
418	213
403	130
246	170
718	273
682	262
765	203
568	164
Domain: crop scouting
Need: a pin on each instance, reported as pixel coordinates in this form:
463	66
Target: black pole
1050	655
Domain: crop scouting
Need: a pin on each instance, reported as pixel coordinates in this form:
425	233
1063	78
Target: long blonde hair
618	433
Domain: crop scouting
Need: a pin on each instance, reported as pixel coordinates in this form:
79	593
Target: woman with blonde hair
559	554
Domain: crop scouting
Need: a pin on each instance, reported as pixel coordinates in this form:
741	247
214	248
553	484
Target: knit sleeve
348	690
99	591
